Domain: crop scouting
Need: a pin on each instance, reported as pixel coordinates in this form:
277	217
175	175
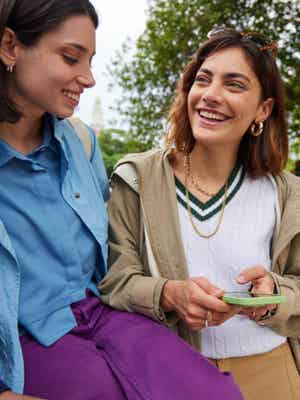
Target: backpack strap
83	134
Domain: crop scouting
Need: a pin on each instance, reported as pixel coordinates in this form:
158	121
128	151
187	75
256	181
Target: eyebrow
77	46
228	75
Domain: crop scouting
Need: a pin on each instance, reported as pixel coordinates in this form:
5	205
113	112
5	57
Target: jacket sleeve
127	285
286	320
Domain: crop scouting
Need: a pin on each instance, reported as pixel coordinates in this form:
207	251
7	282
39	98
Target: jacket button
77	195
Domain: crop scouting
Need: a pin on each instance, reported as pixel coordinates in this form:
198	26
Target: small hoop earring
257	128
10	68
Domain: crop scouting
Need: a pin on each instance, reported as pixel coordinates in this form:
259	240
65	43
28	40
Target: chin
210	140
64	114
207	136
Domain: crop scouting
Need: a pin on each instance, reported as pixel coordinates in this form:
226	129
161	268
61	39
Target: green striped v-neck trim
204	211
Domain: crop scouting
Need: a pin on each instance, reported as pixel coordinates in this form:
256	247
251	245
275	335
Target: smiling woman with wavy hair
214	212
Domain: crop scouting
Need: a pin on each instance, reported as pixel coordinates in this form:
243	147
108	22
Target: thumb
251	274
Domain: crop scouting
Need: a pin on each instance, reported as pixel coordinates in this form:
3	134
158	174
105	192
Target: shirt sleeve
98	166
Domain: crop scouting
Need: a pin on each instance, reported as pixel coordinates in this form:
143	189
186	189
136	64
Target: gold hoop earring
257	128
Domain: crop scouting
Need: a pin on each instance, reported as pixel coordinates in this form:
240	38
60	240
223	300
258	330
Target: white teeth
210	115
72	96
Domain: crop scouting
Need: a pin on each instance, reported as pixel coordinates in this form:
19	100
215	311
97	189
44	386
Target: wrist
167	296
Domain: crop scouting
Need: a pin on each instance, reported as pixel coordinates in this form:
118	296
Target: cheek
189	107
192	99
36	75
246	111
193	96
40	88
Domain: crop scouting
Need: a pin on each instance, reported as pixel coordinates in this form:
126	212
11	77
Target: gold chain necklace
192	180
187	174
203	191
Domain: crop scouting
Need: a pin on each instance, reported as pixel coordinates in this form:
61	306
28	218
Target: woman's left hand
262	282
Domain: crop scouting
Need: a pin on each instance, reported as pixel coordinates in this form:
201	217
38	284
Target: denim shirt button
77	195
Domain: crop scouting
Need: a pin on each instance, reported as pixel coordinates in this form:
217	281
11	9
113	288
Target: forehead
227	61
78	30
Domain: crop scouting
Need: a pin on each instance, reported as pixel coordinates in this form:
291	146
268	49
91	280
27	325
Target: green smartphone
248	299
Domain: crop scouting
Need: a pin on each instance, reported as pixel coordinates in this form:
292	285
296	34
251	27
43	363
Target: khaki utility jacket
130	286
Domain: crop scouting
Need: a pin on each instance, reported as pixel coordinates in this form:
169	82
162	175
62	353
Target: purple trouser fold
113	355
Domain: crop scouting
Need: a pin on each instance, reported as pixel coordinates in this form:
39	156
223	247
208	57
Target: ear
264	110
8	47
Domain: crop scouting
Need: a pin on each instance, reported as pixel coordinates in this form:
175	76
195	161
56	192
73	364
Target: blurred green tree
148	71
115	144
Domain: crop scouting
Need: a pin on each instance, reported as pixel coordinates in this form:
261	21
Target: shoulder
288	186
76	133
288	183
143	170
132	166
142	163
71	127
144	158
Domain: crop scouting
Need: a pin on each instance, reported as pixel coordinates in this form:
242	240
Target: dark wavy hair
30	19
260	155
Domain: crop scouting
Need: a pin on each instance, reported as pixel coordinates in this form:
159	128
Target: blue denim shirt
85	189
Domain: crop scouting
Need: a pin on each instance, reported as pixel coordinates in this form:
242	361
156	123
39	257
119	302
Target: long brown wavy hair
260	155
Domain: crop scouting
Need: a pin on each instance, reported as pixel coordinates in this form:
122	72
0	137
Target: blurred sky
119	19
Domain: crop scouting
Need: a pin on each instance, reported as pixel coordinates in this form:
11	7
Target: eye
236	85
201	79
70	60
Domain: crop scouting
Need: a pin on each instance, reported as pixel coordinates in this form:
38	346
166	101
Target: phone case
259	301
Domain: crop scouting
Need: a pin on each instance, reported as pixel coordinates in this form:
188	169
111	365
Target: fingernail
241	279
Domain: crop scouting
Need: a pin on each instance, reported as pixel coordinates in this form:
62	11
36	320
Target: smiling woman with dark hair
215	211
57	339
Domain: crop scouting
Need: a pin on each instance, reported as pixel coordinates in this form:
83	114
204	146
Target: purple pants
113	355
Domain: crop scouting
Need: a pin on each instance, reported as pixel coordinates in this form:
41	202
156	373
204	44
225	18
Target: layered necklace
188	178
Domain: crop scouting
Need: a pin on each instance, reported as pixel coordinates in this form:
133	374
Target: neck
212	165
24	135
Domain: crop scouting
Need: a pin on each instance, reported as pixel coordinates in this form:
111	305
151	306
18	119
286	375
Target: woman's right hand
196	300
14	396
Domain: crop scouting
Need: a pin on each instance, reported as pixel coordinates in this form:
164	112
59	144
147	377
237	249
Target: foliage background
148	71
115	144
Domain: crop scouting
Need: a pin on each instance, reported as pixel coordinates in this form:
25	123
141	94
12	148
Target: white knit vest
243	240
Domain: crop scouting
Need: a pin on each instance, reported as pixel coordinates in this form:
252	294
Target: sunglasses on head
261	41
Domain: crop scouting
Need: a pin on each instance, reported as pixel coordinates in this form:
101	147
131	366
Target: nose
213	94
87	79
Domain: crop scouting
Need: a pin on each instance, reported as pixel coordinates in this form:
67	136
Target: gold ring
205	323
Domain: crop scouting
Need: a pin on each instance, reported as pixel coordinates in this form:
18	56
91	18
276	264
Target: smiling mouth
212	116
71	95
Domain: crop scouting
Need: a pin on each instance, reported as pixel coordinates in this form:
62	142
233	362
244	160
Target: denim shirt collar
7	152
